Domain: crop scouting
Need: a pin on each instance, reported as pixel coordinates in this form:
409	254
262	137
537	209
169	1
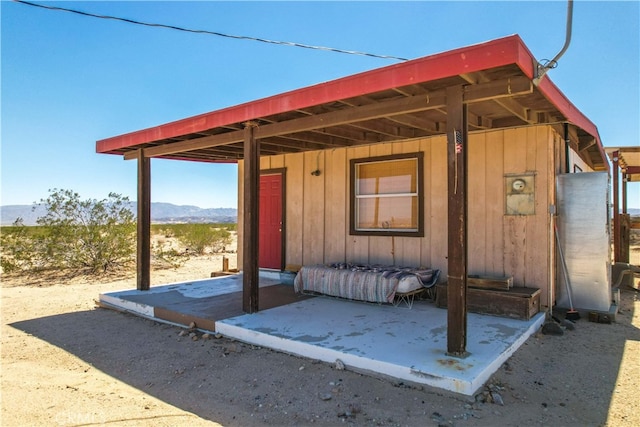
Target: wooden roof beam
379	127
292	144
515	108
479	122
507	103
349	135
586	143
322	140
472	93
415	122
302	124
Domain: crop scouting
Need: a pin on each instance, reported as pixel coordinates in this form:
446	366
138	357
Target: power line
212	33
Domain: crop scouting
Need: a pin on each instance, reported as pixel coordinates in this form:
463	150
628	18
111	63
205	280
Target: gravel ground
66	362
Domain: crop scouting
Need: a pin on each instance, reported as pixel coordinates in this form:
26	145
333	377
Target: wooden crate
518	303
489	282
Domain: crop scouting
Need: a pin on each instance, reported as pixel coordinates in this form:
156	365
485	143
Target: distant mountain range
162	213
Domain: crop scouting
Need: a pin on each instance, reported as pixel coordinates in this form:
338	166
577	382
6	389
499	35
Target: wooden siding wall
317	207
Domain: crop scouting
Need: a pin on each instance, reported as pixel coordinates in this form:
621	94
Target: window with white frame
387	195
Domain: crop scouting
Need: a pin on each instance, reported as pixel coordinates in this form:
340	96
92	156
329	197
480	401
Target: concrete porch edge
464	376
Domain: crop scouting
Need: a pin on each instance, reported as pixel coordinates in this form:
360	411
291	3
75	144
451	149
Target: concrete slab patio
200	301
407	344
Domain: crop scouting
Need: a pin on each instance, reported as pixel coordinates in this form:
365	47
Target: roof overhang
398	102
628	161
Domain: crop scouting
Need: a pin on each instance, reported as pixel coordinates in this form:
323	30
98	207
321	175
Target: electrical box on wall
520	194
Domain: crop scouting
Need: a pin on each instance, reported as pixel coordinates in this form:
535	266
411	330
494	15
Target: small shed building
448	161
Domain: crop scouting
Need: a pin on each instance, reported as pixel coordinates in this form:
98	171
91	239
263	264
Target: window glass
386	195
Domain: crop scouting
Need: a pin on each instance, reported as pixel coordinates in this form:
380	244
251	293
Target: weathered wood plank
515	149
477	215
457	168
494	203
251	222
294	206
336	206
313	208
487	282
518	303
277	162
143	255
436	243
265	162
552	171
538	226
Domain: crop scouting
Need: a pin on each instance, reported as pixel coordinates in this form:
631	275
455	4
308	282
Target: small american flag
458	136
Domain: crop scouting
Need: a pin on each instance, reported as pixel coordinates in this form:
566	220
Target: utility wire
212	33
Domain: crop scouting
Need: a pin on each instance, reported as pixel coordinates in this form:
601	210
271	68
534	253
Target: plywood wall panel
294	208
515	161
476	212
277	162
494	204
336	207
313	207
538	225
437	199
265	162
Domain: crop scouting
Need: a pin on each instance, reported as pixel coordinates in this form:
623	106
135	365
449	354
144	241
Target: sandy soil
66	362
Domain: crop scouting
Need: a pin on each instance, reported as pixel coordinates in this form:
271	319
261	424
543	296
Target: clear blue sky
69	80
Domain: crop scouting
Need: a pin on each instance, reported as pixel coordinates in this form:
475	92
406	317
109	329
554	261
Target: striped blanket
363	282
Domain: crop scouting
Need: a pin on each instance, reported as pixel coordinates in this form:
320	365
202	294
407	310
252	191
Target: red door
270	243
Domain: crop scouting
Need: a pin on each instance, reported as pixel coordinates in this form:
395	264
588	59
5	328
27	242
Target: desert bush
200	237
18	244
163	255
92	235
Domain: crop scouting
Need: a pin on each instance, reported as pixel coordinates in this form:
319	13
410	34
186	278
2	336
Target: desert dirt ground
66	362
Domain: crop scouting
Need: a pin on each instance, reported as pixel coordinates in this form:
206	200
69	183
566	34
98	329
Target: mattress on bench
364	282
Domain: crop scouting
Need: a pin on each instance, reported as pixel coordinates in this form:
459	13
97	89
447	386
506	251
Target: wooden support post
143	254
250	275
617	247
625	222
457	222
624	192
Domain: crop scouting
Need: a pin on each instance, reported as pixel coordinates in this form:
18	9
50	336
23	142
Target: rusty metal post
143	253
251	272
457	222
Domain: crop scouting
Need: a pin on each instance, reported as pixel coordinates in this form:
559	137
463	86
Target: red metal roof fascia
491	54
527	64
573	115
